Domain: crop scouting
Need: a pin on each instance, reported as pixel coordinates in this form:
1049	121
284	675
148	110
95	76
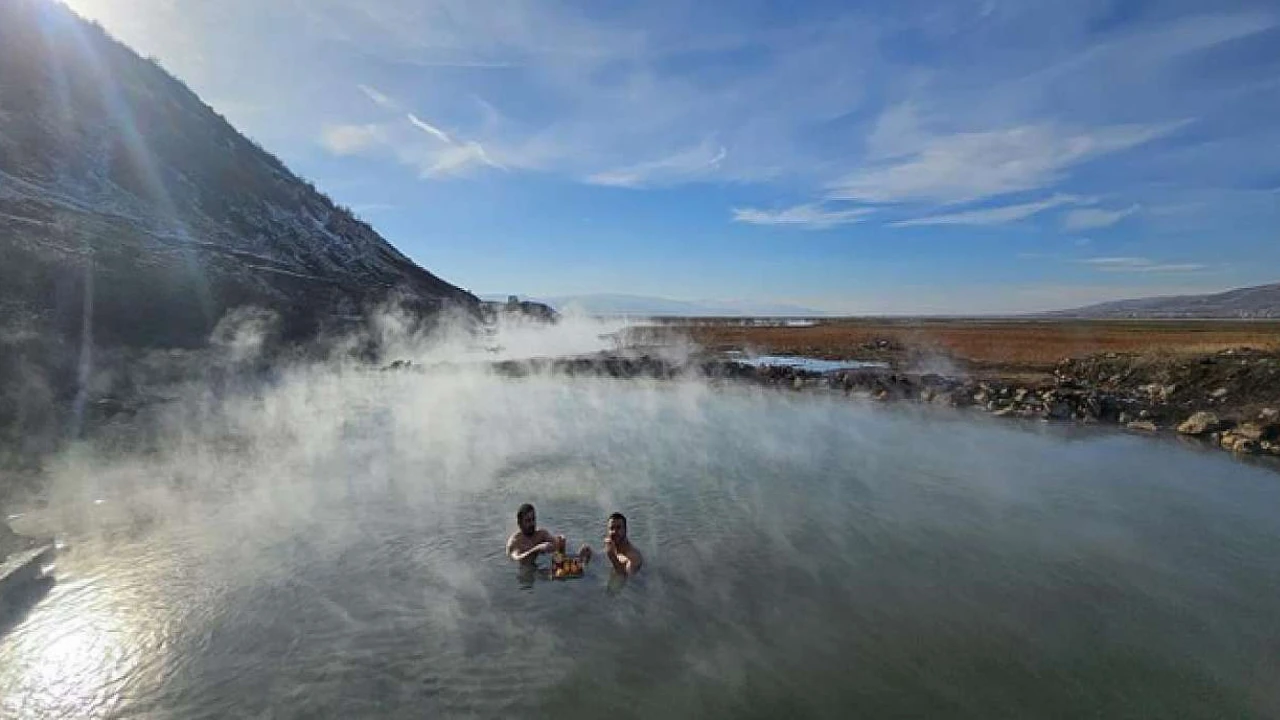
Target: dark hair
620	517
525	509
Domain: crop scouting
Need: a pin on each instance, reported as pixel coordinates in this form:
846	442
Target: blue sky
958	156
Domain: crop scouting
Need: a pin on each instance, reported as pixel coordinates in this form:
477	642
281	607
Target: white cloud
811	215
351	139
1140	265
430	129
685	165
965	167
1090	218
991	216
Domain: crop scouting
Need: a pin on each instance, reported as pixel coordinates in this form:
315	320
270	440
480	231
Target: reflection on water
805	557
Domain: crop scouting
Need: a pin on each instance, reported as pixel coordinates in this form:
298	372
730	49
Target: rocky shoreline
1229	399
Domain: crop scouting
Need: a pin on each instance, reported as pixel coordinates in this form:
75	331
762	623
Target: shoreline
1205	397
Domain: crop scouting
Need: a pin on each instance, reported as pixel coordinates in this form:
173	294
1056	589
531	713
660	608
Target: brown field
995	346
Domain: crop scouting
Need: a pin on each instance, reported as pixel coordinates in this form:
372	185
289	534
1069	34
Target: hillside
117	179
1262	301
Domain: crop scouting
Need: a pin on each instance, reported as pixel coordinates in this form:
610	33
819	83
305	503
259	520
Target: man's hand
618	562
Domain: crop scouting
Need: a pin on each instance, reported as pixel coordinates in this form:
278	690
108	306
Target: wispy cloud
351	139
457	159
430	129
1090	218
812	215
1140	265
443	156
991	216
685	165
966	114
379	98
966	167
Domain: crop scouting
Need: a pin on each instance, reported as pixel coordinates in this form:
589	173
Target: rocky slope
124	197
134	220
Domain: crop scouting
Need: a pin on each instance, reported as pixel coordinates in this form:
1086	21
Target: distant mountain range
1262	301
614	305
129	208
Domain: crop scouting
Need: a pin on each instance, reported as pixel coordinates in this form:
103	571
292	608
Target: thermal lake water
799	362
332	547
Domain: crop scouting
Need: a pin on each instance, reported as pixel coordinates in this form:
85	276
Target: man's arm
547	545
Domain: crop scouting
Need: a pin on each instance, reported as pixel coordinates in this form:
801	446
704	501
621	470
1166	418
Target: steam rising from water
328	540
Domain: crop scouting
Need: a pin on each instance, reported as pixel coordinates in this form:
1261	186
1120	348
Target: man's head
616	527
527	519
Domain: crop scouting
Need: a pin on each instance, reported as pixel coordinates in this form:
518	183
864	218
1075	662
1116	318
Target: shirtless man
624	556
525	544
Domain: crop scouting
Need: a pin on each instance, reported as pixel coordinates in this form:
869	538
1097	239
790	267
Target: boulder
1143	425
1200	423
1256	431
1269	415
1091	408
1060	410
1237	443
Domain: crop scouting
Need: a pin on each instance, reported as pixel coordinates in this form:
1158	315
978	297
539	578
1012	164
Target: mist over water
328	543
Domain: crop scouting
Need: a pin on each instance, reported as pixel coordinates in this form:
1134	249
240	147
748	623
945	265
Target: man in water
529	541
624	556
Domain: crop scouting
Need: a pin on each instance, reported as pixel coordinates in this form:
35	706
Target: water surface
332	548
799	362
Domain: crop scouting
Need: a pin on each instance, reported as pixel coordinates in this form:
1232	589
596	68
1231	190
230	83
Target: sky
958	156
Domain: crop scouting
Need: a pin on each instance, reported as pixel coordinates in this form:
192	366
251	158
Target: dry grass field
995	346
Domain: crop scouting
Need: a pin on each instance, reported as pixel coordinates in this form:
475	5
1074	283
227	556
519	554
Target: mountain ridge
127	201
1259	301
